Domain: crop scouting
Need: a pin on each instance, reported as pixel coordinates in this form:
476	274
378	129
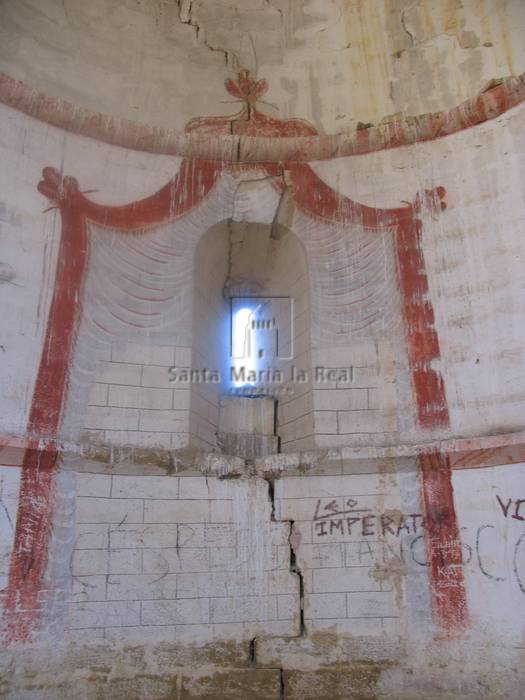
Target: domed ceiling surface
333	62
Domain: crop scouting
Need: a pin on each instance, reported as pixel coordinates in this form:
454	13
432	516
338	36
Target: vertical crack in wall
406	29
271	496
276	424
294	567
251	653
281	684
185	17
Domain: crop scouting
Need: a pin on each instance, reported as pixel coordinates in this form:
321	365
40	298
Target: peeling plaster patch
393	571
395	514
468	40
445	44
7	273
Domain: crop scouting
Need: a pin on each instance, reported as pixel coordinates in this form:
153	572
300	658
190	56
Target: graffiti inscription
392	533
351	520
514	506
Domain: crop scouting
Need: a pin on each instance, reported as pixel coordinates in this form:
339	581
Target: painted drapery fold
194	181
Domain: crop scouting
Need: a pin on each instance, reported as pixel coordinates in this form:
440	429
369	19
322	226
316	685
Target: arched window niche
251	369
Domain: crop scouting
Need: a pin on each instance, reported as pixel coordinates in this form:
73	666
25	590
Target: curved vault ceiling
333	62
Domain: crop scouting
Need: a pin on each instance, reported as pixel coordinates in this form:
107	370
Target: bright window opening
244	345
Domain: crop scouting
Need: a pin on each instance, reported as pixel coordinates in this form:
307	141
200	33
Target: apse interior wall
475	245
490	322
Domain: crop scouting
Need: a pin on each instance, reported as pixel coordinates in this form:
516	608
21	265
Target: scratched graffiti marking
392	534
348	518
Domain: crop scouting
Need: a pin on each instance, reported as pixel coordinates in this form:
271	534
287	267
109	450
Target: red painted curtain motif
194	181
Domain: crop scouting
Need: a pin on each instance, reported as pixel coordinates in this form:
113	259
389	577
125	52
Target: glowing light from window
243	346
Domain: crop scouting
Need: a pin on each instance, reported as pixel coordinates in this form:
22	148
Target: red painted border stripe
33	523
422	339
194	181
443	544
25	595
257	149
